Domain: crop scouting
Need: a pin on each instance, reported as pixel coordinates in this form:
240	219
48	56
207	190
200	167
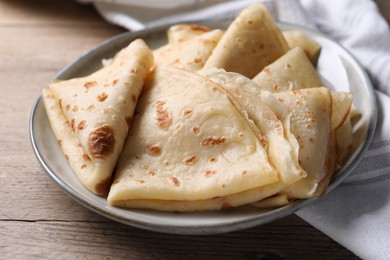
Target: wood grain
38	220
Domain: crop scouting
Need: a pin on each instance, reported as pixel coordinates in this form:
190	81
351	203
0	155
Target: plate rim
237	225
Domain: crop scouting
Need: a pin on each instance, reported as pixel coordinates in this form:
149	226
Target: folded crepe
300	39
183	32
252	41
280	143
291	71
300	131
90	116
310	120
191	147
190	54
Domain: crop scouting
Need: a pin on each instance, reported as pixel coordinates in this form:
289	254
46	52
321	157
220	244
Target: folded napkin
357	213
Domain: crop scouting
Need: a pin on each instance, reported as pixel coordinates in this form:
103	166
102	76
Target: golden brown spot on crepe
223	185
199	28
66	157
187	111
281	99
212	159
116	81
101	141
60	103
75	108
296	91
127	84
288	66
191	160
59	142
213	141
298	103
311	139
153	150
152	173
83	166
198	60
134	98
67	107
105	110
86	157
72	123
103	187
101	97
90	84
244	173
134	71
241	135
208	173
166	163
81	125
226	205
250	22
128	120
195	129
310	113
264	141
267	70
90	107
140	181
175	181
309	125
164	119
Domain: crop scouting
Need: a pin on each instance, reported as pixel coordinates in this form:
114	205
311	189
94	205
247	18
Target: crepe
273	202
190	147
183	32
281	145
251	42
310	120
191	54
90	116
291	71
300	39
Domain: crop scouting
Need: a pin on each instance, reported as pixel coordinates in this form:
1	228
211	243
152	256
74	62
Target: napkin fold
357	213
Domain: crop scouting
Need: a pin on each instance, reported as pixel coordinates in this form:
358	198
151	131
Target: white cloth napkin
357	213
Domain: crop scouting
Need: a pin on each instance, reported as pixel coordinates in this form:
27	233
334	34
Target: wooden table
37	219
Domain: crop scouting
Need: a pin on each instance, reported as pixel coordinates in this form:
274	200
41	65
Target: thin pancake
188	142
183	32
191	54
300	39
90	116
311	124
251	42
282	153
291	71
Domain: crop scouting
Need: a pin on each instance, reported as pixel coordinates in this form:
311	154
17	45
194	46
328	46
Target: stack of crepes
211	120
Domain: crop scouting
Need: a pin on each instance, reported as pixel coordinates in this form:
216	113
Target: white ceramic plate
336	65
